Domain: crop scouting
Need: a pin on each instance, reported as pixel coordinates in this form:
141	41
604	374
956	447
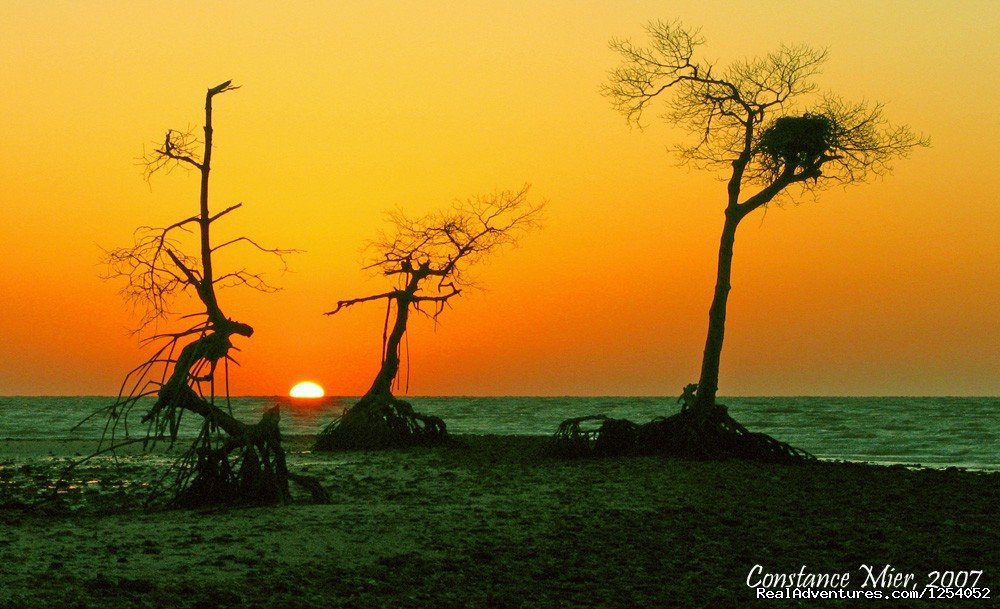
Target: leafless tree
764	125
428	260
229	460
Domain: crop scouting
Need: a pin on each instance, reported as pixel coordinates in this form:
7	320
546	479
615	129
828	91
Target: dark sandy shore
491	523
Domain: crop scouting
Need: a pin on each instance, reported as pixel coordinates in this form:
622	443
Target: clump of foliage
805	141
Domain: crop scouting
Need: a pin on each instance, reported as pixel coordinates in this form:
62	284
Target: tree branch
343	304
224	212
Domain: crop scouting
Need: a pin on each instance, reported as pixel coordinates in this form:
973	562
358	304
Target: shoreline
932	432
492	523
13	449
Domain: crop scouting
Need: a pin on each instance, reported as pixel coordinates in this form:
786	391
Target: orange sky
349	109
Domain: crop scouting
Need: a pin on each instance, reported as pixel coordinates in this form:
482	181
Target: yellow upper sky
349	109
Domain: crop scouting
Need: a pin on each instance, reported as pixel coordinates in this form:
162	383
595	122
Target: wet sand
489	523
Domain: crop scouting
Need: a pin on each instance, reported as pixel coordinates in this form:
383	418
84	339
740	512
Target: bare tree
428	260
229	460
763	123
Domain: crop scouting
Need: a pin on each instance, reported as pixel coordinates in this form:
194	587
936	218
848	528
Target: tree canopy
763	117
429	257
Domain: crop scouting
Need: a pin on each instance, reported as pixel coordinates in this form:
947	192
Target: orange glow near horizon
347	110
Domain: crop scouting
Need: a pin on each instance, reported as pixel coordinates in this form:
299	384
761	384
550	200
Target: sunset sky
350	109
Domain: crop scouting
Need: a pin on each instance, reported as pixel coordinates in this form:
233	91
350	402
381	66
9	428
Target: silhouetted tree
761	121
748	119
427	259
229	460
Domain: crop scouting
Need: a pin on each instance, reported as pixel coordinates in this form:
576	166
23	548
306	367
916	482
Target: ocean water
931	431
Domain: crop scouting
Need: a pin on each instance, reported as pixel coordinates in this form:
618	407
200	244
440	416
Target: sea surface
931	431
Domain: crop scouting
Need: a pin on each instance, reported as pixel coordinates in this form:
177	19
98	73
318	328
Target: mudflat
487	522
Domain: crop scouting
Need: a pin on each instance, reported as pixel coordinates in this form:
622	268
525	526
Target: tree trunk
207	287
382	385
708	382
379	419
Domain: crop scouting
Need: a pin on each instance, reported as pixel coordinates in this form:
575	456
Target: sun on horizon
306	389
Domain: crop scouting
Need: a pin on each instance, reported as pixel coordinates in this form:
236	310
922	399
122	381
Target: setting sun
306	389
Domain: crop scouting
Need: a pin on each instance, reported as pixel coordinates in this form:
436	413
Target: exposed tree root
381	421
229	463
247	468
692	433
